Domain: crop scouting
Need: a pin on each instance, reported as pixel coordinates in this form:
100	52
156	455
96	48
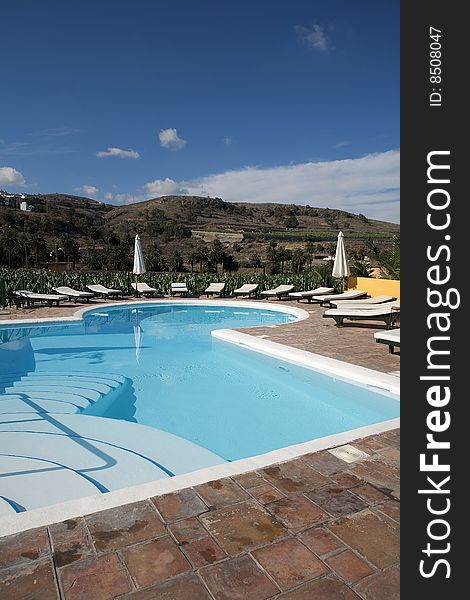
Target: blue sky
284	101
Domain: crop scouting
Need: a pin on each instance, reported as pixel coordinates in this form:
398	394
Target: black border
425	129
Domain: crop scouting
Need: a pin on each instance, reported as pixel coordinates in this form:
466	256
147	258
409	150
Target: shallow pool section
80	400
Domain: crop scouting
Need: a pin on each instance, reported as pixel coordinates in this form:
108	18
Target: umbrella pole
135	291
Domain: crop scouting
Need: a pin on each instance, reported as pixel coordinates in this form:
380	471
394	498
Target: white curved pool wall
299	313
345	371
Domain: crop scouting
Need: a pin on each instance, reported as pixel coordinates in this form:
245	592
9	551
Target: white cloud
54	132
10	176
315	38
227	140
130	198
163	187
368	185
342	144
169	139
111	151
88	190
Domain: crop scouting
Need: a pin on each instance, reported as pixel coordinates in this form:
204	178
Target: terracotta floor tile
320	540
266	493
155	561
124	525
297	513
249	480
391	455
391	438
349	566
369	444
35	580
321	589
23	547
325	463
70	541
294	477
187	530
96	578
391	508
179	505
374	537
204	552
346	480
378	473
337	501
243	526
385	585
186	587
221	493
289	563
369	493
238	579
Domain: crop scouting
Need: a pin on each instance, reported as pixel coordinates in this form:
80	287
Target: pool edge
56	513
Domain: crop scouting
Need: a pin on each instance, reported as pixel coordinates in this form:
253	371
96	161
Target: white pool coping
329	366
55	513
79	314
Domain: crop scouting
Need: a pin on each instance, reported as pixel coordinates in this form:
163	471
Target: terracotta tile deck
334	536
316	527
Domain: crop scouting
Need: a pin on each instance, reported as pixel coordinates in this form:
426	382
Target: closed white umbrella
340	265
139	263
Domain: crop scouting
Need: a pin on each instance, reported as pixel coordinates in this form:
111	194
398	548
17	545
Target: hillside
179	225
213	214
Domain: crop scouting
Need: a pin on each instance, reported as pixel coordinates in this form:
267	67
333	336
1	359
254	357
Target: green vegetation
97	241
390	260
44	281
314	236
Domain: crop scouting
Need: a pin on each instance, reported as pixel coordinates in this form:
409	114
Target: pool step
36	402
58	392
66	457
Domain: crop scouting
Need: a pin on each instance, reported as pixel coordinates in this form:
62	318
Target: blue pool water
232	401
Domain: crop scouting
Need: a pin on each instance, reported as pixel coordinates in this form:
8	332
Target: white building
26	207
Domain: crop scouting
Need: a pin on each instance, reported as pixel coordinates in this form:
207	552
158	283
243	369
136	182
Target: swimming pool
158	368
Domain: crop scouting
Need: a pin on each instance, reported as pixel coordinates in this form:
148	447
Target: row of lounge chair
351	305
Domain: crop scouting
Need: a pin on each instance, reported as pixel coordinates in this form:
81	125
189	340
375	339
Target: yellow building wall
375	287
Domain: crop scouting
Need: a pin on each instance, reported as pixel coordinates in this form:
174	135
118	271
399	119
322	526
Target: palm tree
70	248
8	241
272	256
390	260
284	255
201	255
38	245
24	245
310	248
298	260
216	253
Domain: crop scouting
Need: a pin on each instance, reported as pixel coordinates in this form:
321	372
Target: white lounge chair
390	337
143	288
178	288
349	295
247	289
365	303
278	292
72	293
319	291
215	288
101	290
383	312
32	297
